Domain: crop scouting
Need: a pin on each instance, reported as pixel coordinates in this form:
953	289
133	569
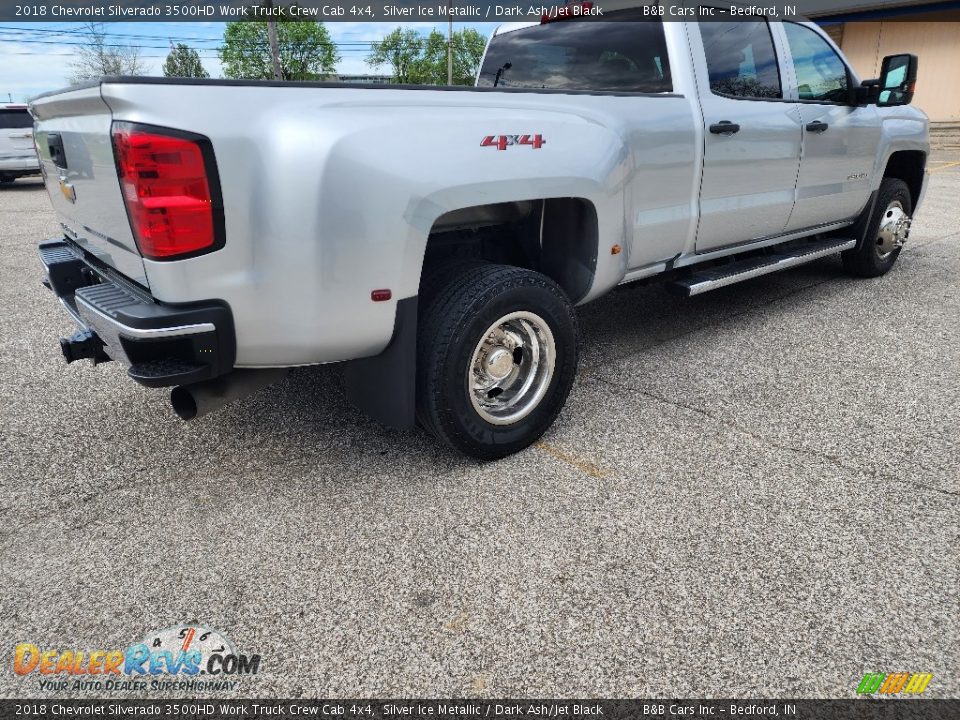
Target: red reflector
166	190
380	295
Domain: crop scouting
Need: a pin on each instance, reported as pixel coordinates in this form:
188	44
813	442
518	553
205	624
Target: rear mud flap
384	386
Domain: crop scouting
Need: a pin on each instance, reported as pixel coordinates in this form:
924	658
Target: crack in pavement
732	316
934	241
804	451
810	452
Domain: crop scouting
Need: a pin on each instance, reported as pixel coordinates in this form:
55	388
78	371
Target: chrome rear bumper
160	344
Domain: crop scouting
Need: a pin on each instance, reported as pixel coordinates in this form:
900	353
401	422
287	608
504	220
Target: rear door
840	140
752	134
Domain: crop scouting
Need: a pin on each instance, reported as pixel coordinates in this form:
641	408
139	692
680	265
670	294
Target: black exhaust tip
198	399
183	402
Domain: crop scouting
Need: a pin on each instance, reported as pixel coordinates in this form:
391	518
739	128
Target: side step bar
718	277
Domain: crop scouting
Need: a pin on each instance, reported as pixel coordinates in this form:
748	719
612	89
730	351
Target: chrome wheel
893	231
511	368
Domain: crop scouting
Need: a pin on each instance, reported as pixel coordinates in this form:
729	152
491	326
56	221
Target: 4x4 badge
502	142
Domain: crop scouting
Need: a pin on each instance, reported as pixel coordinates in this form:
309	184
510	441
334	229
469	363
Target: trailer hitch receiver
83	344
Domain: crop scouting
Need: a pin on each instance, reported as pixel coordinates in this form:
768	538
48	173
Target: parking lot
753	492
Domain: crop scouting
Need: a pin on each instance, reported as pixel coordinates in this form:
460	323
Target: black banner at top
433	11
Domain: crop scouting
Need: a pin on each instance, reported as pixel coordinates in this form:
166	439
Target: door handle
817	126
55	144
724	127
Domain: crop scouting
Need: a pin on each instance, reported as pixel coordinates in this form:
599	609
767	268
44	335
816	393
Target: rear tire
438	275
886	232
496	357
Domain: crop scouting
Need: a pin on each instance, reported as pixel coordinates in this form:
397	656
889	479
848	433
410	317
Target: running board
718	277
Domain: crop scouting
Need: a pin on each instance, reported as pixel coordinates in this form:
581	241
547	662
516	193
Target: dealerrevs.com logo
894	683
195	657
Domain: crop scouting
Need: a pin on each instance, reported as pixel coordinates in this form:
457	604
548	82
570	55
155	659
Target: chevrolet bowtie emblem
68	190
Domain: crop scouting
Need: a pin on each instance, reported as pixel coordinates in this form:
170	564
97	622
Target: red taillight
167	192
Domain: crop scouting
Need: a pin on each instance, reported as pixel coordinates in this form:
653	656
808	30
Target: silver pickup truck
437	240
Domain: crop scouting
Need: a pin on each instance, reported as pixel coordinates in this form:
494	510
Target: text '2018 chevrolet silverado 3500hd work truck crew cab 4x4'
438	239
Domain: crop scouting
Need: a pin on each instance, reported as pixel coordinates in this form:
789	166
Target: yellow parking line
582	465
945	167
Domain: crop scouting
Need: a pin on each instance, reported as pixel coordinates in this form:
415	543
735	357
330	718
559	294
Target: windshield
580	55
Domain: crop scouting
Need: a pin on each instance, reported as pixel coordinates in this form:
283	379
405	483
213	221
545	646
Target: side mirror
898	78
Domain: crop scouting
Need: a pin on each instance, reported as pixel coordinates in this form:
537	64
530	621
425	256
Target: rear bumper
160	344
26	164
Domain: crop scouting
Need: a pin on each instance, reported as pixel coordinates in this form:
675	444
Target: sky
36	57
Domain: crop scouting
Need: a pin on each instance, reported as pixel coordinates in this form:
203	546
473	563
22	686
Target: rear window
741	59
15	119
580	55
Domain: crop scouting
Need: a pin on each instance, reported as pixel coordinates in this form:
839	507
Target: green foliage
306	51
419	60
468	46
184	61
401	50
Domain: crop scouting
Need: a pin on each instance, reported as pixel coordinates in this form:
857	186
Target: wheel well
555	236
908	165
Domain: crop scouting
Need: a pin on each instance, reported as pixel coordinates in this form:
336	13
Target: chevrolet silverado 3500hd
437	239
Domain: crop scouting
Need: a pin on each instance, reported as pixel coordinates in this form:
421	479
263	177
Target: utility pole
450	43
274	44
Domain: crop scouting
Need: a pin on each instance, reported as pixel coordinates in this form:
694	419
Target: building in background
929	30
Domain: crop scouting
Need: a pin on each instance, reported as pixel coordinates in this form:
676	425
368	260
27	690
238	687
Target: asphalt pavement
753	492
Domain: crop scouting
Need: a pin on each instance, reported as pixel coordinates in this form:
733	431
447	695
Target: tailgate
76	152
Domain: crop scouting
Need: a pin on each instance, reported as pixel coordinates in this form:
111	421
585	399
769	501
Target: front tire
886	232
496	357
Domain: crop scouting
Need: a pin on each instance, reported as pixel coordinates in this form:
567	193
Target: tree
306	51
98	57
402	50
416	59
184	61
468	46
431	65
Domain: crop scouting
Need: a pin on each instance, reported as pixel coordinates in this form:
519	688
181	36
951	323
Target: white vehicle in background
18	155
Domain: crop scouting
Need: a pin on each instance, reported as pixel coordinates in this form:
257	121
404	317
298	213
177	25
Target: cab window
741	59
821	74
624	56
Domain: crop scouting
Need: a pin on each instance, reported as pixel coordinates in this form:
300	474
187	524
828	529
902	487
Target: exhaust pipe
192	401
